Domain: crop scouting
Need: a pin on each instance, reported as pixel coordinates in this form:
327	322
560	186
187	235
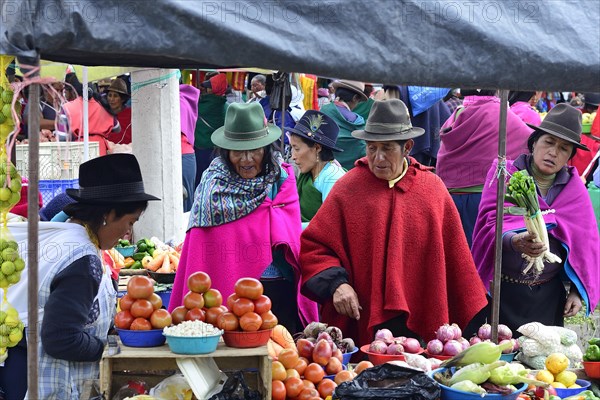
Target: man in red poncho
386	249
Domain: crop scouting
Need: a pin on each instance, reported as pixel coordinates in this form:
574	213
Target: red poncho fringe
404	250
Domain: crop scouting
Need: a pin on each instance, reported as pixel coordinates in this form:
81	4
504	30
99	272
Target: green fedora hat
245	128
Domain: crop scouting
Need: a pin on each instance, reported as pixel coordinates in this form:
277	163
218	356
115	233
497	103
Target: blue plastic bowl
347	356
452	394
165	296
193	345
151	338
332	377
127	251
563	393
508	357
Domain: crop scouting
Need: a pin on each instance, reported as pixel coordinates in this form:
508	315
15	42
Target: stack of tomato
301	374
248	309
141	307
201	303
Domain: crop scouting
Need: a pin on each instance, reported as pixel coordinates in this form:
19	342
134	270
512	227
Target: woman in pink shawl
520	104
573	236
245	220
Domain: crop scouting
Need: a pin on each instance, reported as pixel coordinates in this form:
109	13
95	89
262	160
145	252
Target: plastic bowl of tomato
241	339
148	338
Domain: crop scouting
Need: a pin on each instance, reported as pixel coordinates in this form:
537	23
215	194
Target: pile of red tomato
301	374
248	309
201	303
141	307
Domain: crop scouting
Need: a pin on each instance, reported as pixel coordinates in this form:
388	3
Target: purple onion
395	349
452	348
384	335
444	333
464	343
485	332
400	339
504	332
474	340
509	350
435	347
457	331
378	347
412	345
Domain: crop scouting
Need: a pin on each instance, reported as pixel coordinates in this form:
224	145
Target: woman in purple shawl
572	232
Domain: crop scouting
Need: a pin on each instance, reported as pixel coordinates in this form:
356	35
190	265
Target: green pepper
592	353
595	341
139	255
142	247
136	265
149	243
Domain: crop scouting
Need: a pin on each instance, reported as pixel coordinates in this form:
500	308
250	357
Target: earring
104	223
318	158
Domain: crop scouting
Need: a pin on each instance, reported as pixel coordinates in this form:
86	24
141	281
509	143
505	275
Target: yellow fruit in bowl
567	378
545	376
557	363
573	386
558	385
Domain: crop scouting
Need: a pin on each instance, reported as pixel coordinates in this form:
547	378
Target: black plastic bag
390	382
236	389
281	89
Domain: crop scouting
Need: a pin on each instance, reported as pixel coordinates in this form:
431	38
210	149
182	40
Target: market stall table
161	358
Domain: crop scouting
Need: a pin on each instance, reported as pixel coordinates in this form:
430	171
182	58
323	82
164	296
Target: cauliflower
540	332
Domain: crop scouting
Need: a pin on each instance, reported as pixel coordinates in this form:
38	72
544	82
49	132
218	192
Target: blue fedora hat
319	128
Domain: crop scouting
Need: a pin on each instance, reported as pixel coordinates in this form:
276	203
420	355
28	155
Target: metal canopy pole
33	123
499	214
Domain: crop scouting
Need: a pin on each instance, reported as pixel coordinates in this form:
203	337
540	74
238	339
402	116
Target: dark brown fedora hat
388	120
563	121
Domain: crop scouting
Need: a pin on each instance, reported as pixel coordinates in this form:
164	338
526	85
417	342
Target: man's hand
345	301
573	304
524	243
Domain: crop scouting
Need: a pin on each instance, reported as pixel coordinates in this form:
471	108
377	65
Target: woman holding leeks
536	291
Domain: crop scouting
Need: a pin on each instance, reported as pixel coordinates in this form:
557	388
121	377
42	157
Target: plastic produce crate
52	188
58	160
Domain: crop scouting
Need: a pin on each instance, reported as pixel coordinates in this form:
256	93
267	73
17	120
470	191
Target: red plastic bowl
439	356
378	359
241	339
592	369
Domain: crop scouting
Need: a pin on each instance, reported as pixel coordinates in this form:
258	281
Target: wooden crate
137	361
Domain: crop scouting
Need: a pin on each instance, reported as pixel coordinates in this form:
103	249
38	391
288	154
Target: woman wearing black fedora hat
313	142
387	247
245	220
76	296
572	231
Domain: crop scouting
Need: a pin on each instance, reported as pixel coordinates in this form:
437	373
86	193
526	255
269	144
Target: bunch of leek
522	193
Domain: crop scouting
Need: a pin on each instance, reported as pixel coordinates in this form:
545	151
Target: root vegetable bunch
522	193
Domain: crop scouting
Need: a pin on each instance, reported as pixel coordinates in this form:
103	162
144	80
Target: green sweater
211	111
364	108
353	148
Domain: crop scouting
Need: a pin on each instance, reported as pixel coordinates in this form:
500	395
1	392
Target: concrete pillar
156	142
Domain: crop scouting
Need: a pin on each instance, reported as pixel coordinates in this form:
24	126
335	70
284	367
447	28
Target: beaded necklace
542	180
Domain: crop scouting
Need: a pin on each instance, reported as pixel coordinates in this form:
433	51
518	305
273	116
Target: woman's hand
573	304
345	301
525	243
